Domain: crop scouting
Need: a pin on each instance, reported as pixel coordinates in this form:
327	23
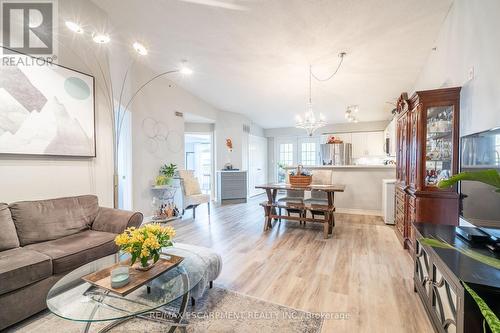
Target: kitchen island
363	193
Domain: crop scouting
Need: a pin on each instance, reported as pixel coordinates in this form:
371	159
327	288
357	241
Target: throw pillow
191	186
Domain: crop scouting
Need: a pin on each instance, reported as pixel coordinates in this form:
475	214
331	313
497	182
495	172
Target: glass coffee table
163	299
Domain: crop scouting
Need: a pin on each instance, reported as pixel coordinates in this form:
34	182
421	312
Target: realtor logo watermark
29	27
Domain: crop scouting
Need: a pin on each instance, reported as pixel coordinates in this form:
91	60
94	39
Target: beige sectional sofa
40	241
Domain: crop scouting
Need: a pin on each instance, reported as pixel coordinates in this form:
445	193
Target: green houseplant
167	172
490	177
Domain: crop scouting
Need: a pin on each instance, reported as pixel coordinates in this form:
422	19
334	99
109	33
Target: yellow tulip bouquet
145	243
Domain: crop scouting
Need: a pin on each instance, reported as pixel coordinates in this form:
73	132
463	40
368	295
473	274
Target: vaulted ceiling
252	56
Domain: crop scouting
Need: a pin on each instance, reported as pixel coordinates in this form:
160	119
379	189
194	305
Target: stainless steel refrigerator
336	154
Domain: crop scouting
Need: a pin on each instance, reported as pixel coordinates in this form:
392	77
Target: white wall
158	101
469	39
199	127
28	178
230	125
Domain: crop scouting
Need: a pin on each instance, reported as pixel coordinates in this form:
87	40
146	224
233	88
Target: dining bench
326	211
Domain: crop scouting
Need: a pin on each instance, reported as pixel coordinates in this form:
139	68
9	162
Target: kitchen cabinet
365	144
345	137
427	150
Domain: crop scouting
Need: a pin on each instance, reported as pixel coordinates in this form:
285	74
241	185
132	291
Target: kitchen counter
363	194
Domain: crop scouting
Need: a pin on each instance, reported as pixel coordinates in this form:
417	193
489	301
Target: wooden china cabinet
427	151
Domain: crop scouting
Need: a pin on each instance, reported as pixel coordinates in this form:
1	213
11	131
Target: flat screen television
480	204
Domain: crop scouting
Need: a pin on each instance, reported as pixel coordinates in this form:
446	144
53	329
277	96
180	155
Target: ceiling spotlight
101	38
185	70
140	49
74	27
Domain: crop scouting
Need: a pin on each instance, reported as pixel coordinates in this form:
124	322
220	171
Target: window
286	154
285	158
308	153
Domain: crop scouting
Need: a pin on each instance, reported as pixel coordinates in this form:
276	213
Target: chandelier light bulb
140	49
74	27
186	70
101	38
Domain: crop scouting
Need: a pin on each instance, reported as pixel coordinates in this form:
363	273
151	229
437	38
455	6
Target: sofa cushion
8	234
20	267
73	251
44	220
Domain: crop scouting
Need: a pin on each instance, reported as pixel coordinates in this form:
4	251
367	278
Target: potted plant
166	175
144	244
490	177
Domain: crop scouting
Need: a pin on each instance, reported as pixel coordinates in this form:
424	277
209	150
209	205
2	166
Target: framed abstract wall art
45	109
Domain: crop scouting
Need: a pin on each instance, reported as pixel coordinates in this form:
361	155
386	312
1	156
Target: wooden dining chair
320	177
293	196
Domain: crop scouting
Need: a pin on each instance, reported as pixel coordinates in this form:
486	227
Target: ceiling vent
179	114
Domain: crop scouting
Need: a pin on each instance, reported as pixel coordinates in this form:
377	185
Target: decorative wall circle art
149	127
174	141
161	140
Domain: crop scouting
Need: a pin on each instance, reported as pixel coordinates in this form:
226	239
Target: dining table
327	209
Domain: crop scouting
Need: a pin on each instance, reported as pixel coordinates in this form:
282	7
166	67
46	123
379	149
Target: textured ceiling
252	57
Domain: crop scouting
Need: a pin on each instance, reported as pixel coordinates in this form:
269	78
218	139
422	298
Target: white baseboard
359	211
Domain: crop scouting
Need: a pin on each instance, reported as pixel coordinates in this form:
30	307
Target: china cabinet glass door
439	144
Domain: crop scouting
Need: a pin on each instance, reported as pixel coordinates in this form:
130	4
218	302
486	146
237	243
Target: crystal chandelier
310	122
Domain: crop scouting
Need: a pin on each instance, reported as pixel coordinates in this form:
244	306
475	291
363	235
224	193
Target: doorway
199	158
124	162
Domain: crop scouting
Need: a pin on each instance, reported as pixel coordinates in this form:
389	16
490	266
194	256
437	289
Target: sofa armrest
116	220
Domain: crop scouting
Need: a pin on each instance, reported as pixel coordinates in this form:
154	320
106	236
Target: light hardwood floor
362	270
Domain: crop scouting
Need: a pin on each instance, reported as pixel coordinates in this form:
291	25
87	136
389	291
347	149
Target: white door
257	163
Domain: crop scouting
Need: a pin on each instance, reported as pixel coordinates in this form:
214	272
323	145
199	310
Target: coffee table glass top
74	299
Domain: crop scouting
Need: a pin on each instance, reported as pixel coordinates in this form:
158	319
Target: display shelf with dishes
439	145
